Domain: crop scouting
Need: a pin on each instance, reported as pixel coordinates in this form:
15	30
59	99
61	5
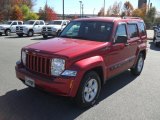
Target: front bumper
2	31
63	86
157	40
52	33
22	32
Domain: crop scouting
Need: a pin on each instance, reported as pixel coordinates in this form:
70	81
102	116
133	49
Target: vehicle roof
111	19
35	20
15	21
60	20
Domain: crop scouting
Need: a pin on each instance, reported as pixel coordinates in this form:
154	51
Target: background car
9	27
54	27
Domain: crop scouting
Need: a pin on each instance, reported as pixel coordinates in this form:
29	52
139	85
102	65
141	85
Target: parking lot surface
124	97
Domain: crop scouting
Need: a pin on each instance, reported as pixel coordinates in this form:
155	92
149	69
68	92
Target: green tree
32	16
26	11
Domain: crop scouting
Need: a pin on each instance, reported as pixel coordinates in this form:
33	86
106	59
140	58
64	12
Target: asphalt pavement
124	97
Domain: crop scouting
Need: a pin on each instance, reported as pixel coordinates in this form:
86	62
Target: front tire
45	36
30	33
89	90
155	43
137	69
8	32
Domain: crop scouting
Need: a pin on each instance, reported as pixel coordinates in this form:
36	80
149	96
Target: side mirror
121	39
36	24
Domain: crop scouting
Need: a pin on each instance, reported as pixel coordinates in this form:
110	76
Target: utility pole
63	9
104	7
80	8
93	11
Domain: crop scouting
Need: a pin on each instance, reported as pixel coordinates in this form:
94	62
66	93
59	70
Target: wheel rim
30	33
140	64
90	90
8	32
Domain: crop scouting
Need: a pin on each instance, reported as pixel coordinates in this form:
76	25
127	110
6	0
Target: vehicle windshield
55	23
88	30
8	23
29	22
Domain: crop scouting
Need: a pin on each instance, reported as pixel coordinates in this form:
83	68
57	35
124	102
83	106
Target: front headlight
25	29
2	28
54	29
23	57
57	66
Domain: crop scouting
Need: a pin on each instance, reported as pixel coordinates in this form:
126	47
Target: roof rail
125	17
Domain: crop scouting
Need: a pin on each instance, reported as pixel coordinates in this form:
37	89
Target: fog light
69	73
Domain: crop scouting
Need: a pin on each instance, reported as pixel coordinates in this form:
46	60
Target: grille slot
39	64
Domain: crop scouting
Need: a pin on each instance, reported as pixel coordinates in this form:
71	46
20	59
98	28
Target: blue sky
73	6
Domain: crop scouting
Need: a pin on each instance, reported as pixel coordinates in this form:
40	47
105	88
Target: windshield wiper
80	37
65	36
74	37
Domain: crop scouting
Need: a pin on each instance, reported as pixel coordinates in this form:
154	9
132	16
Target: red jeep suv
84	56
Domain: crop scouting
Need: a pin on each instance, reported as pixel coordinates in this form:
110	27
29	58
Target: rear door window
19	23
14	23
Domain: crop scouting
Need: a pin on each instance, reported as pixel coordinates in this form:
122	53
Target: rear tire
0	34
137	69
89	90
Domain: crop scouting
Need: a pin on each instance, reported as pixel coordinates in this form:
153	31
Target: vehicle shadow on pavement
49	38
153	47
116	83
31	104
17	37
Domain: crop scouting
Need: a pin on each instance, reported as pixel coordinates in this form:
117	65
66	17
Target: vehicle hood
53	26
66	47
27	26
5	26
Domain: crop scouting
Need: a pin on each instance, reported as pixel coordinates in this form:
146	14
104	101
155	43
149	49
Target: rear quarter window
133	30
142	28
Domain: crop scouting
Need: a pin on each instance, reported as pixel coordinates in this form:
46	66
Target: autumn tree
7	7
137	13
115	9
151	14
47	13
16	13
109	11
127	9
101	12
